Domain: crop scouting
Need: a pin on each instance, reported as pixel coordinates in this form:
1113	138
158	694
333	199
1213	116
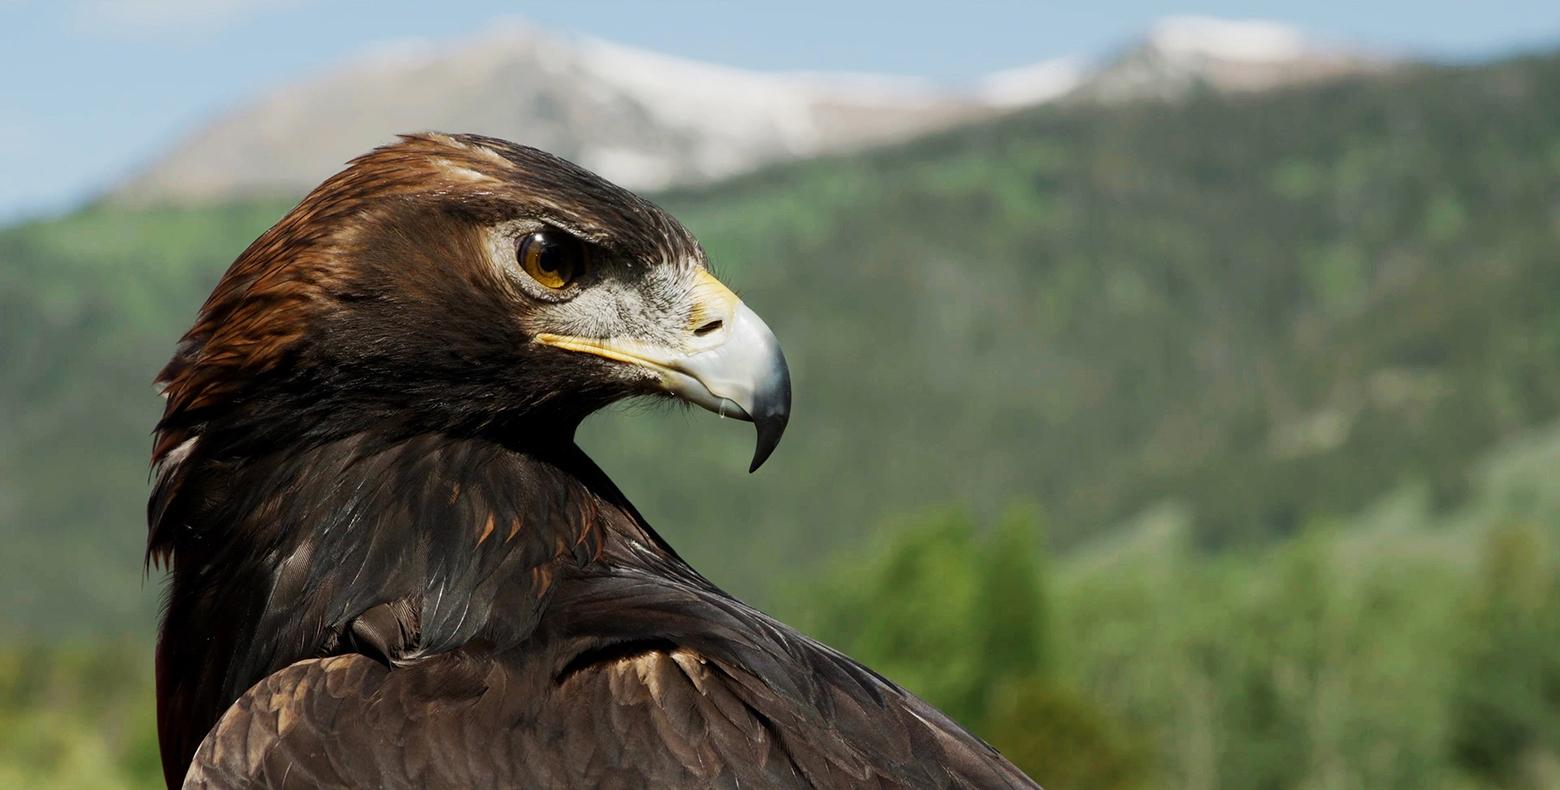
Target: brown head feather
263	306
260	308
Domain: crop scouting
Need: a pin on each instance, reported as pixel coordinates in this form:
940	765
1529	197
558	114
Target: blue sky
89	89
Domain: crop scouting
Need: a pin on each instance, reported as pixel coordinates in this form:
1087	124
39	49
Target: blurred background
1177	386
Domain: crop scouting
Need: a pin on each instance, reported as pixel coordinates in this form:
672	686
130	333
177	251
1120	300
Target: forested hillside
1397	650
1269	309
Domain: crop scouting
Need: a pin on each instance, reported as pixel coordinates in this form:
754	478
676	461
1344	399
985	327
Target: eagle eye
551	257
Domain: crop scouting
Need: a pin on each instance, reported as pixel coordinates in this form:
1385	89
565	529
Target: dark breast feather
634	679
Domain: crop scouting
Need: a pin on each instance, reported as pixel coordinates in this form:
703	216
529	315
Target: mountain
652	121
1266	309
1034	84
1178	56
1182	54
644	119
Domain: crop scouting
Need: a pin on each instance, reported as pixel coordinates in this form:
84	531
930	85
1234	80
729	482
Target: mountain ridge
652	121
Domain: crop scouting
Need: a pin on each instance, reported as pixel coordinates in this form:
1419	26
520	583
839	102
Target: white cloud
168	17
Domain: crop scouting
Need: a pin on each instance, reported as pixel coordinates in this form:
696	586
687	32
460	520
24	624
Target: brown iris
552	257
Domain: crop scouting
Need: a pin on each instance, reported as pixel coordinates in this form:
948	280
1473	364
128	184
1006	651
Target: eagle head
469	286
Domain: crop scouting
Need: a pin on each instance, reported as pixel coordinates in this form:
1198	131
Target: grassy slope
1270	308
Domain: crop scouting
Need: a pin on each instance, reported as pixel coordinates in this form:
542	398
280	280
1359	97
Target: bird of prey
392	567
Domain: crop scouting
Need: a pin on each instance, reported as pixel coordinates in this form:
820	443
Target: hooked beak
731	364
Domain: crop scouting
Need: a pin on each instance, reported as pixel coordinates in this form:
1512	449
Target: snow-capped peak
652	120
1026	85
1249	40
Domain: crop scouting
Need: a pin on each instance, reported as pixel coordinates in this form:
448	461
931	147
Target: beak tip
769	433
770	425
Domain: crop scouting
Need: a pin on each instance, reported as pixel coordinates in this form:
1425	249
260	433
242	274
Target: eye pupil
553	258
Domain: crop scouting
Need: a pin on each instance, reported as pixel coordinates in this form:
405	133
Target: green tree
960	615
1507	699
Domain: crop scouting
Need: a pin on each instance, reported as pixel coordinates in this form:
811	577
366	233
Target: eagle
391	566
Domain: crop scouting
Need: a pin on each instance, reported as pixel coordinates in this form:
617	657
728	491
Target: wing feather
641	684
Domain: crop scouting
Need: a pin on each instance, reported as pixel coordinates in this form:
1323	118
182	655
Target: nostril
713	326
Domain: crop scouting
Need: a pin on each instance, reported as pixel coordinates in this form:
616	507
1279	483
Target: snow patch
865	88
1249	40
645	171
1034	84
718	100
